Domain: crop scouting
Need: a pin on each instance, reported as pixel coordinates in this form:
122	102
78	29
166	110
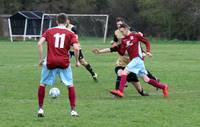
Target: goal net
89	25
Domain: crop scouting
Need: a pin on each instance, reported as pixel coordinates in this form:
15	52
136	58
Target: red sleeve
145	41
74	39
45	34
121	50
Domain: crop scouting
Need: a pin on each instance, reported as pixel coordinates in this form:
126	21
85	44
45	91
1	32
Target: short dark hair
62	18
119	19
124	25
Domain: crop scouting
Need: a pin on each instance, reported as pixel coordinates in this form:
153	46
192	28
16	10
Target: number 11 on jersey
59	40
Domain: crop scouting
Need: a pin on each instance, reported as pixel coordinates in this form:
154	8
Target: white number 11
59	40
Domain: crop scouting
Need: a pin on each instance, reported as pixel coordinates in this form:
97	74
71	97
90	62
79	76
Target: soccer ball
54	92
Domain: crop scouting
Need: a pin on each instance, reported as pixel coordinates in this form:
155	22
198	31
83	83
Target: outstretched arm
114	48
101	51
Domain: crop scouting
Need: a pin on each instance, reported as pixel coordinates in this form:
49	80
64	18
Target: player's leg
156	84
139	89
117	71
41	95
67	78
151	76
132	77
87	65
142	72
123	74
117	82
47	78
88	68
137	66
131	67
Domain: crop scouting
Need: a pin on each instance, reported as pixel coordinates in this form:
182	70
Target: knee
43	85
122	72
69	86
146	79
83	62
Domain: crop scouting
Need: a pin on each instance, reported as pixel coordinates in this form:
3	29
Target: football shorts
137	66
48	76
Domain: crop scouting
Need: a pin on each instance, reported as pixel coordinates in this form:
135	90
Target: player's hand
78	64
114	44
41	62
141	34
149	54
143	54
95	51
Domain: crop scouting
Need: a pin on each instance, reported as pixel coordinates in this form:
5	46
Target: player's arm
75	30
101	51
115	39
40	49
76	46
147	44
121	49
143	51
114	48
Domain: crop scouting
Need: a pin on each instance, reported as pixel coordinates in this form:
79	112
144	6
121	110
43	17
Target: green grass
173	62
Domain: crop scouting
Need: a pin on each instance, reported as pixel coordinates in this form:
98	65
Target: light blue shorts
137	66
48	76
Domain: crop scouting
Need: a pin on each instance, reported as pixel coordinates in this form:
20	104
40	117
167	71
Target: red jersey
131	44
59	39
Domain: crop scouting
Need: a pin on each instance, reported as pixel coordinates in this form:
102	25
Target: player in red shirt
59	39
131	43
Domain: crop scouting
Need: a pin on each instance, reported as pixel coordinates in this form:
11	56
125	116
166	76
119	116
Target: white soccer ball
54	92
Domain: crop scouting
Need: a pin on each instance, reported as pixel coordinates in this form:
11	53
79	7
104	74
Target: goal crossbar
77	15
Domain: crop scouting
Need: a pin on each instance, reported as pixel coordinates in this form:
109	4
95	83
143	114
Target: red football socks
41	94
156	84
122	83
72	97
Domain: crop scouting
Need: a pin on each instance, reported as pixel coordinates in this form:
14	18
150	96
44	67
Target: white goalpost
100	26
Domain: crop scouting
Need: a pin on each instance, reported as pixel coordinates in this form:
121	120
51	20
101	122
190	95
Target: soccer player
130	43
131	77
59	39
122	61
81	57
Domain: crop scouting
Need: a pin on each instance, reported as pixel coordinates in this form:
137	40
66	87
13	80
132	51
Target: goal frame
78	15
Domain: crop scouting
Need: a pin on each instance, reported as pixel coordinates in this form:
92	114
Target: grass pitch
174	62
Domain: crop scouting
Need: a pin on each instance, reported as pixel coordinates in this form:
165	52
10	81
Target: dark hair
62	18
124	25
119	19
